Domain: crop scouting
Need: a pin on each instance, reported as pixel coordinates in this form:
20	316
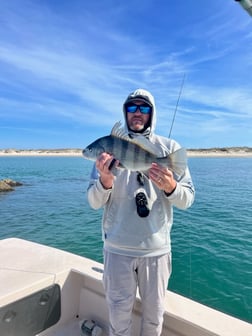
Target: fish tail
176	161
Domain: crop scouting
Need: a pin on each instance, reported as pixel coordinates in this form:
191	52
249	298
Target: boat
45	291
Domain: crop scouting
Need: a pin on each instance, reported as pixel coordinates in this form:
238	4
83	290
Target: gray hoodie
123	230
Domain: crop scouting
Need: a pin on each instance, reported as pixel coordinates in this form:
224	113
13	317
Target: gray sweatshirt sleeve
97	195
183	195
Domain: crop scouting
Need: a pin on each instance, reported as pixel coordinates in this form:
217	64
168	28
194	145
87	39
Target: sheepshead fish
136	154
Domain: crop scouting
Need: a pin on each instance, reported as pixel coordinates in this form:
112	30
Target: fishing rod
175	111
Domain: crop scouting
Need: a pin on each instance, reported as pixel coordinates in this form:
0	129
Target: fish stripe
112	145
146	157
136	155
124	149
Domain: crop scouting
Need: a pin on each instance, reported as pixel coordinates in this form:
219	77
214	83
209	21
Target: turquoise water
211	242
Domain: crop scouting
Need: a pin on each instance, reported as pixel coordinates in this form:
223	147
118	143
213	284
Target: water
211	242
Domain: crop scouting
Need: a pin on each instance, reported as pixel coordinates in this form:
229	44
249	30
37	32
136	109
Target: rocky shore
195	152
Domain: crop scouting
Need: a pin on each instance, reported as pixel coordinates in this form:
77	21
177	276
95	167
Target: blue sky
67	66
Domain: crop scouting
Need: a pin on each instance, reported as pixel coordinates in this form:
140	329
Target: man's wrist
171	192
106	184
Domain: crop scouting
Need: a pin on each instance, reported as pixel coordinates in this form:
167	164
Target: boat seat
31	314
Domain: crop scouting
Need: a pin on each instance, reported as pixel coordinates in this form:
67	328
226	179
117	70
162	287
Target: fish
135	154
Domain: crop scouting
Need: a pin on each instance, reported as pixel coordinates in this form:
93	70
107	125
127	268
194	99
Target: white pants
122	275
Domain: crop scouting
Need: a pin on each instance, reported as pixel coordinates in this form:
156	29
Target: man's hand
103	165
163	178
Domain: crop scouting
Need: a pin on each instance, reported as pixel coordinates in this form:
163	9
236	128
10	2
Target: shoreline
210	152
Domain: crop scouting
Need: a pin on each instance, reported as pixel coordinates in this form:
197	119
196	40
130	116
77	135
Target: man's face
137	120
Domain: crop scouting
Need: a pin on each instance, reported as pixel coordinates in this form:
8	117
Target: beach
41	152
221	152
200	152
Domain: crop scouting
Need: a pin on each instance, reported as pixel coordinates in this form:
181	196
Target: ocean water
211	241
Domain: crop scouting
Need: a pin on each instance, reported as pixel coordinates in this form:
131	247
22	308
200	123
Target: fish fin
140	140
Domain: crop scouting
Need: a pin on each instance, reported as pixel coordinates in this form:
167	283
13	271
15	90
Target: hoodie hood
146	97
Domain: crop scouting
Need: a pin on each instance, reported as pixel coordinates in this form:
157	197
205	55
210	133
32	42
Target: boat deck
27	268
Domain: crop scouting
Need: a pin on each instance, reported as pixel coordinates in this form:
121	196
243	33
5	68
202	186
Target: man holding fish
138	177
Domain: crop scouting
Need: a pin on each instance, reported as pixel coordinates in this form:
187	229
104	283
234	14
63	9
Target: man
137	221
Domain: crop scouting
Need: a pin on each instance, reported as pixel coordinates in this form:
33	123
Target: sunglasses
132	108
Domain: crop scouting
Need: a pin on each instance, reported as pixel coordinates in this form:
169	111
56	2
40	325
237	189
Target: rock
5	187
8	184
12	183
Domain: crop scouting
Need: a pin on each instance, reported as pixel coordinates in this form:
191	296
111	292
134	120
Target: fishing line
190	260
175	111
190	227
